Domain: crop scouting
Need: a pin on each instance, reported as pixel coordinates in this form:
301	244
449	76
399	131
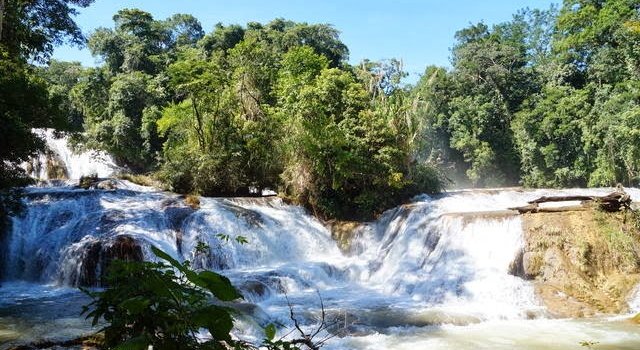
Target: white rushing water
58	154
428	272
431	274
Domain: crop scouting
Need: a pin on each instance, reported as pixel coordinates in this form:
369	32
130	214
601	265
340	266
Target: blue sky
418	32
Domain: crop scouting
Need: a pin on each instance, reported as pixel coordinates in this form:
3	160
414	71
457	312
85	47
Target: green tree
222	38
612	134
549	134
491	80
346	155
62	77
226	97
123	99
580	129
472	106
594	39
431	98
28	31
204	150
31	29
247	108
137	43
19	83
115	116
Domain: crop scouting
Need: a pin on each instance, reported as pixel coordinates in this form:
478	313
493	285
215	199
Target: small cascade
64	231
448	260
276	234
68	235
59	161
634	301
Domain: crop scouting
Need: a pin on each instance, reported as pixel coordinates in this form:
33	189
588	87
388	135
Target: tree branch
2	7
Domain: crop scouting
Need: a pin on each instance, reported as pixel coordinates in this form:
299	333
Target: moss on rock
583	263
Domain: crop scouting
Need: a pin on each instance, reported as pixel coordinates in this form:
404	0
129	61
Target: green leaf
223	237
242	240
135	305
218	285
270	331
191	276
175	263
217	320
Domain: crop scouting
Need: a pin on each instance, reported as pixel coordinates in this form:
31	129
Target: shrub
163	304
88	181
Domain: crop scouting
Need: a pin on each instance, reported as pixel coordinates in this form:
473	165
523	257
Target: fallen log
545	199
537	209
613	202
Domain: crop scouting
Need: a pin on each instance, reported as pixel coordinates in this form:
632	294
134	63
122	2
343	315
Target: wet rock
171	202
88	182
56	168
516	267
384	318
344	232
252	218
123	248
531	264
176	215
252	313
192	201
108	185
583	263
92	182
57	195
88	274
91	342
47	165
255	288
98	255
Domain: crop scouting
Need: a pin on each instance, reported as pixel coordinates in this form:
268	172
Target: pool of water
35	312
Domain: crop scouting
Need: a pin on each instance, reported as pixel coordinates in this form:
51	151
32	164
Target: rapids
430	274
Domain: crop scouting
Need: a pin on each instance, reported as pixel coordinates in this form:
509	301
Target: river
432	274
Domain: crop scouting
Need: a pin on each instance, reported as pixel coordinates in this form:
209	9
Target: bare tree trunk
1	17
612	202
199	129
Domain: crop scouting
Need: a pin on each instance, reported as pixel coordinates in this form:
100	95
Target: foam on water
75	164
634	301
447	261
503	335
406	280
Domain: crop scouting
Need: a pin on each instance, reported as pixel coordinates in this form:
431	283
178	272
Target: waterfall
435	261
449	260
435	252
441	260
59	161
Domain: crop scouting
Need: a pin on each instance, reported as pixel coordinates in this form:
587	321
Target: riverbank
583	263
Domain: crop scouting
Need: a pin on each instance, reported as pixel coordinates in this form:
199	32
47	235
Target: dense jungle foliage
548	99
28	32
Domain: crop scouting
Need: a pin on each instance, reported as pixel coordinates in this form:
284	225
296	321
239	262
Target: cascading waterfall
421	267
59	161
448	260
